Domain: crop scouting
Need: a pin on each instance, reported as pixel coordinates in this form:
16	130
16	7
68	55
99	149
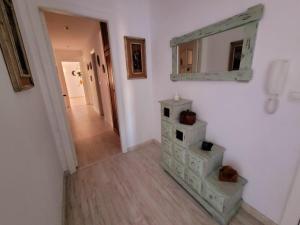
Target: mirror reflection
216	53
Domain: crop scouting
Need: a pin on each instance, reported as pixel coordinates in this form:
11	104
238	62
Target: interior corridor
94	138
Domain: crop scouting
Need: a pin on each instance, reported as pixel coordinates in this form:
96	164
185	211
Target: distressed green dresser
197	170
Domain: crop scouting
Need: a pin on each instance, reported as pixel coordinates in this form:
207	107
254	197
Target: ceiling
69	32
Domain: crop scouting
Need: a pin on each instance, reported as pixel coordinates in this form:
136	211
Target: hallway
94	138
133	189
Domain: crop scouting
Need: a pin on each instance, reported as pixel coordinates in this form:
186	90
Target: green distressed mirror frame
249	20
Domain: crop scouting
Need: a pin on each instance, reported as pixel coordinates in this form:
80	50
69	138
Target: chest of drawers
186	135
171	109
202	163
194	169
222	195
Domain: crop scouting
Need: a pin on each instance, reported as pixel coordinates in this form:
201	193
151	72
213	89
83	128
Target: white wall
30	171
264	148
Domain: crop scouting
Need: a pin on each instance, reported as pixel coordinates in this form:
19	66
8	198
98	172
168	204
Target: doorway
73	78
112	90
79	53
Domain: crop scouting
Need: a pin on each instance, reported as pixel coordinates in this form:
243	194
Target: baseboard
64	198
143	144
258	215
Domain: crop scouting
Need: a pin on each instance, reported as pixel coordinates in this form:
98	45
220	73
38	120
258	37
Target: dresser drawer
195	163
178	169
216	200
166	129
166	145
193	181
223	196
179	153
187	135
166	160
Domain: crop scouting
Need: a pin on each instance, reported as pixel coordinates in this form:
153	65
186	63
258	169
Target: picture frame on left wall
13	49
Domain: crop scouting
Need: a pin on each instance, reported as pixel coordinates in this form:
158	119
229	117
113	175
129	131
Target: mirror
216	53
222	51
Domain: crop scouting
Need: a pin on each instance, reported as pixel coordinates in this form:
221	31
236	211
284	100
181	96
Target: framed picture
235	55
135	51
12	48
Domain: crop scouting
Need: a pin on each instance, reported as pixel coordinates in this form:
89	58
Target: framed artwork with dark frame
135	50
12	48
235	55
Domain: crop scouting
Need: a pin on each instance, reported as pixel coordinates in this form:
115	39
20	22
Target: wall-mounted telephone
277	76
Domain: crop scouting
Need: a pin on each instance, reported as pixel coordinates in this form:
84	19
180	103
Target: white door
291	215
74	82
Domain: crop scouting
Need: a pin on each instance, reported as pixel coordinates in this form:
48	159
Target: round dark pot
187	117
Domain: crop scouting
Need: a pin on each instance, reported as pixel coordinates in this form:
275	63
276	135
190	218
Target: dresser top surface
172	102
215	150
227	189
198	123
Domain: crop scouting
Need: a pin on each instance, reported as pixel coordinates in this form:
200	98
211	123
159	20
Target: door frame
41	59
290	214
112	92
97	81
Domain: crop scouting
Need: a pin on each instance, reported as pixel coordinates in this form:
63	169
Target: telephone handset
276	81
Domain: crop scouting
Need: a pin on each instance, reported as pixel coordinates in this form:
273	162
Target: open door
107	54
112	91
97	82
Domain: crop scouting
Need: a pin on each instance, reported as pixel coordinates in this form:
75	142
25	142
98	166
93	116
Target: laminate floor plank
94	138
132	189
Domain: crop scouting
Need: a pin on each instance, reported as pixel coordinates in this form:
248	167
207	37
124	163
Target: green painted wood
249	20
204	163
222	218
178	169
166	129
193	181
174	60
238	75
166	145
223	195
174	108
167	160
254	13
195	170
191	133
179	153
250	32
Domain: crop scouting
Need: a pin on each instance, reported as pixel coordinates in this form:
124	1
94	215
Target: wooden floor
94	138
132	189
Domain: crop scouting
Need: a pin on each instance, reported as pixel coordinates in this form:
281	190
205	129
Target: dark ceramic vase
187	117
